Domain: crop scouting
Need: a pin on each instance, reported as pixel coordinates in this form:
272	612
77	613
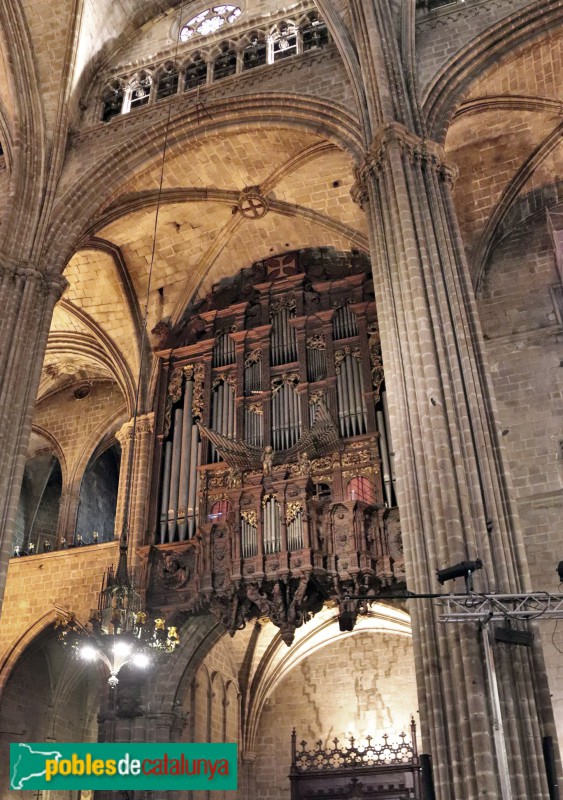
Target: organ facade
273	465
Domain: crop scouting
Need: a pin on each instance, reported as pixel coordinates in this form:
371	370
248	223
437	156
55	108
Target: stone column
247	776
454	492
134	477
27	300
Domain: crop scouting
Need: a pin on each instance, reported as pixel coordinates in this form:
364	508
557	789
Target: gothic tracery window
167	82
195	73
255	53
225	64
113	100
283	41
209	21
314	33
140	90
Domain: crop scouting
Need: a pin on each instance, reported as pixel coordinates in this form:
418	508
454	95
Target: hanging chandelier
120	631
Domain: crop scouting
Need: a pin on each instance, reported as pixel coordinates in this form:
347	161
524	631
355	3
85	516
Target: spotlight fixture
508	635
560	571
464	569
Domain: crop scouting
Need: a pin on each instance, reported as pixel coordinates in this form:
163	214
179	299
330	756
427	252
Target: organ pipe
195	460
182	456
385	458
284	340
249	534
253	427
316	363
272	533
352	412
295	530
185	475
253	374
175	474
222	414
165	491
390	445
224	350
286	417
344	323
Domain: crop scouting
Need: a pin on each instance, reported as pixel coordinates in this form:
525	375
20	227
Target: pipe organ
273	483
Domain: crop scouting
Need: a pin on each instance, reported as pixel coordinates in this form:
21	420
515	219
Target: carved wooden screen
356	770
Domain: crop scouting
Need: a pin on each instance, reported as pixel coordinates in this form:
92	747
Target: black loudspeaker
427	777
550	768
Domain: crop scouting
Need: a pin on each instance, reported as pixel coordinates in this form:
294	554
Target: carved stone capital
48	284
393	136
143	424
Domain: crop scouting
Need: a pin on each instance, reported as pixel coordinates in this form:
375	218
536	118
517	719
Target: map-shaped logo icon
28	762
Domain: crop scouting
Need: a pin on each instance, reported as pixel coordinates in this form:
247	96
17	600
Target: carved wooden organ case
273	468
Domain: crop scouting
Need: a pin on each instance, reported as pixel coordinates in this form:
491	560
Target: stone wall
38	584
361	685
524	344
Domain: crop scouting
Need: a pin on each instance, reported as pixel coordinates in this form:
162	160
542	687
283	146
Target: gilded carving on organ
253	357
317	342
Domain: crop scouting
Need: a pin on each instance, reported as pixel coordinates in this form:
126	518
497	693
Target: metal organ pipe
165	491
344	323
197	488
284	341
175	474
340	395
384	457
286	415
195	459
349	395
389	443
224	351
185	477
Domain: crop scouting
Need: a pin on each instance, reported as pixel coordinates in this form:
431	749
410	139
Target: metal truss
485	608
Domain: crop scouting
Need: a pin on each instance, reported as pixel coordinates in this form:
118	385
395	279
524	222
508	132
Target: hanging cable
127	499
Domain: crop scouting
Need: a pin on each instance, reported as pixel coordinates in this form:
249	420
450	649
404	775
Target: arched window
167	83
113	100
195	73
314	33
255	53
362	489
140	90
38	509
226	63
283	41
98	497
